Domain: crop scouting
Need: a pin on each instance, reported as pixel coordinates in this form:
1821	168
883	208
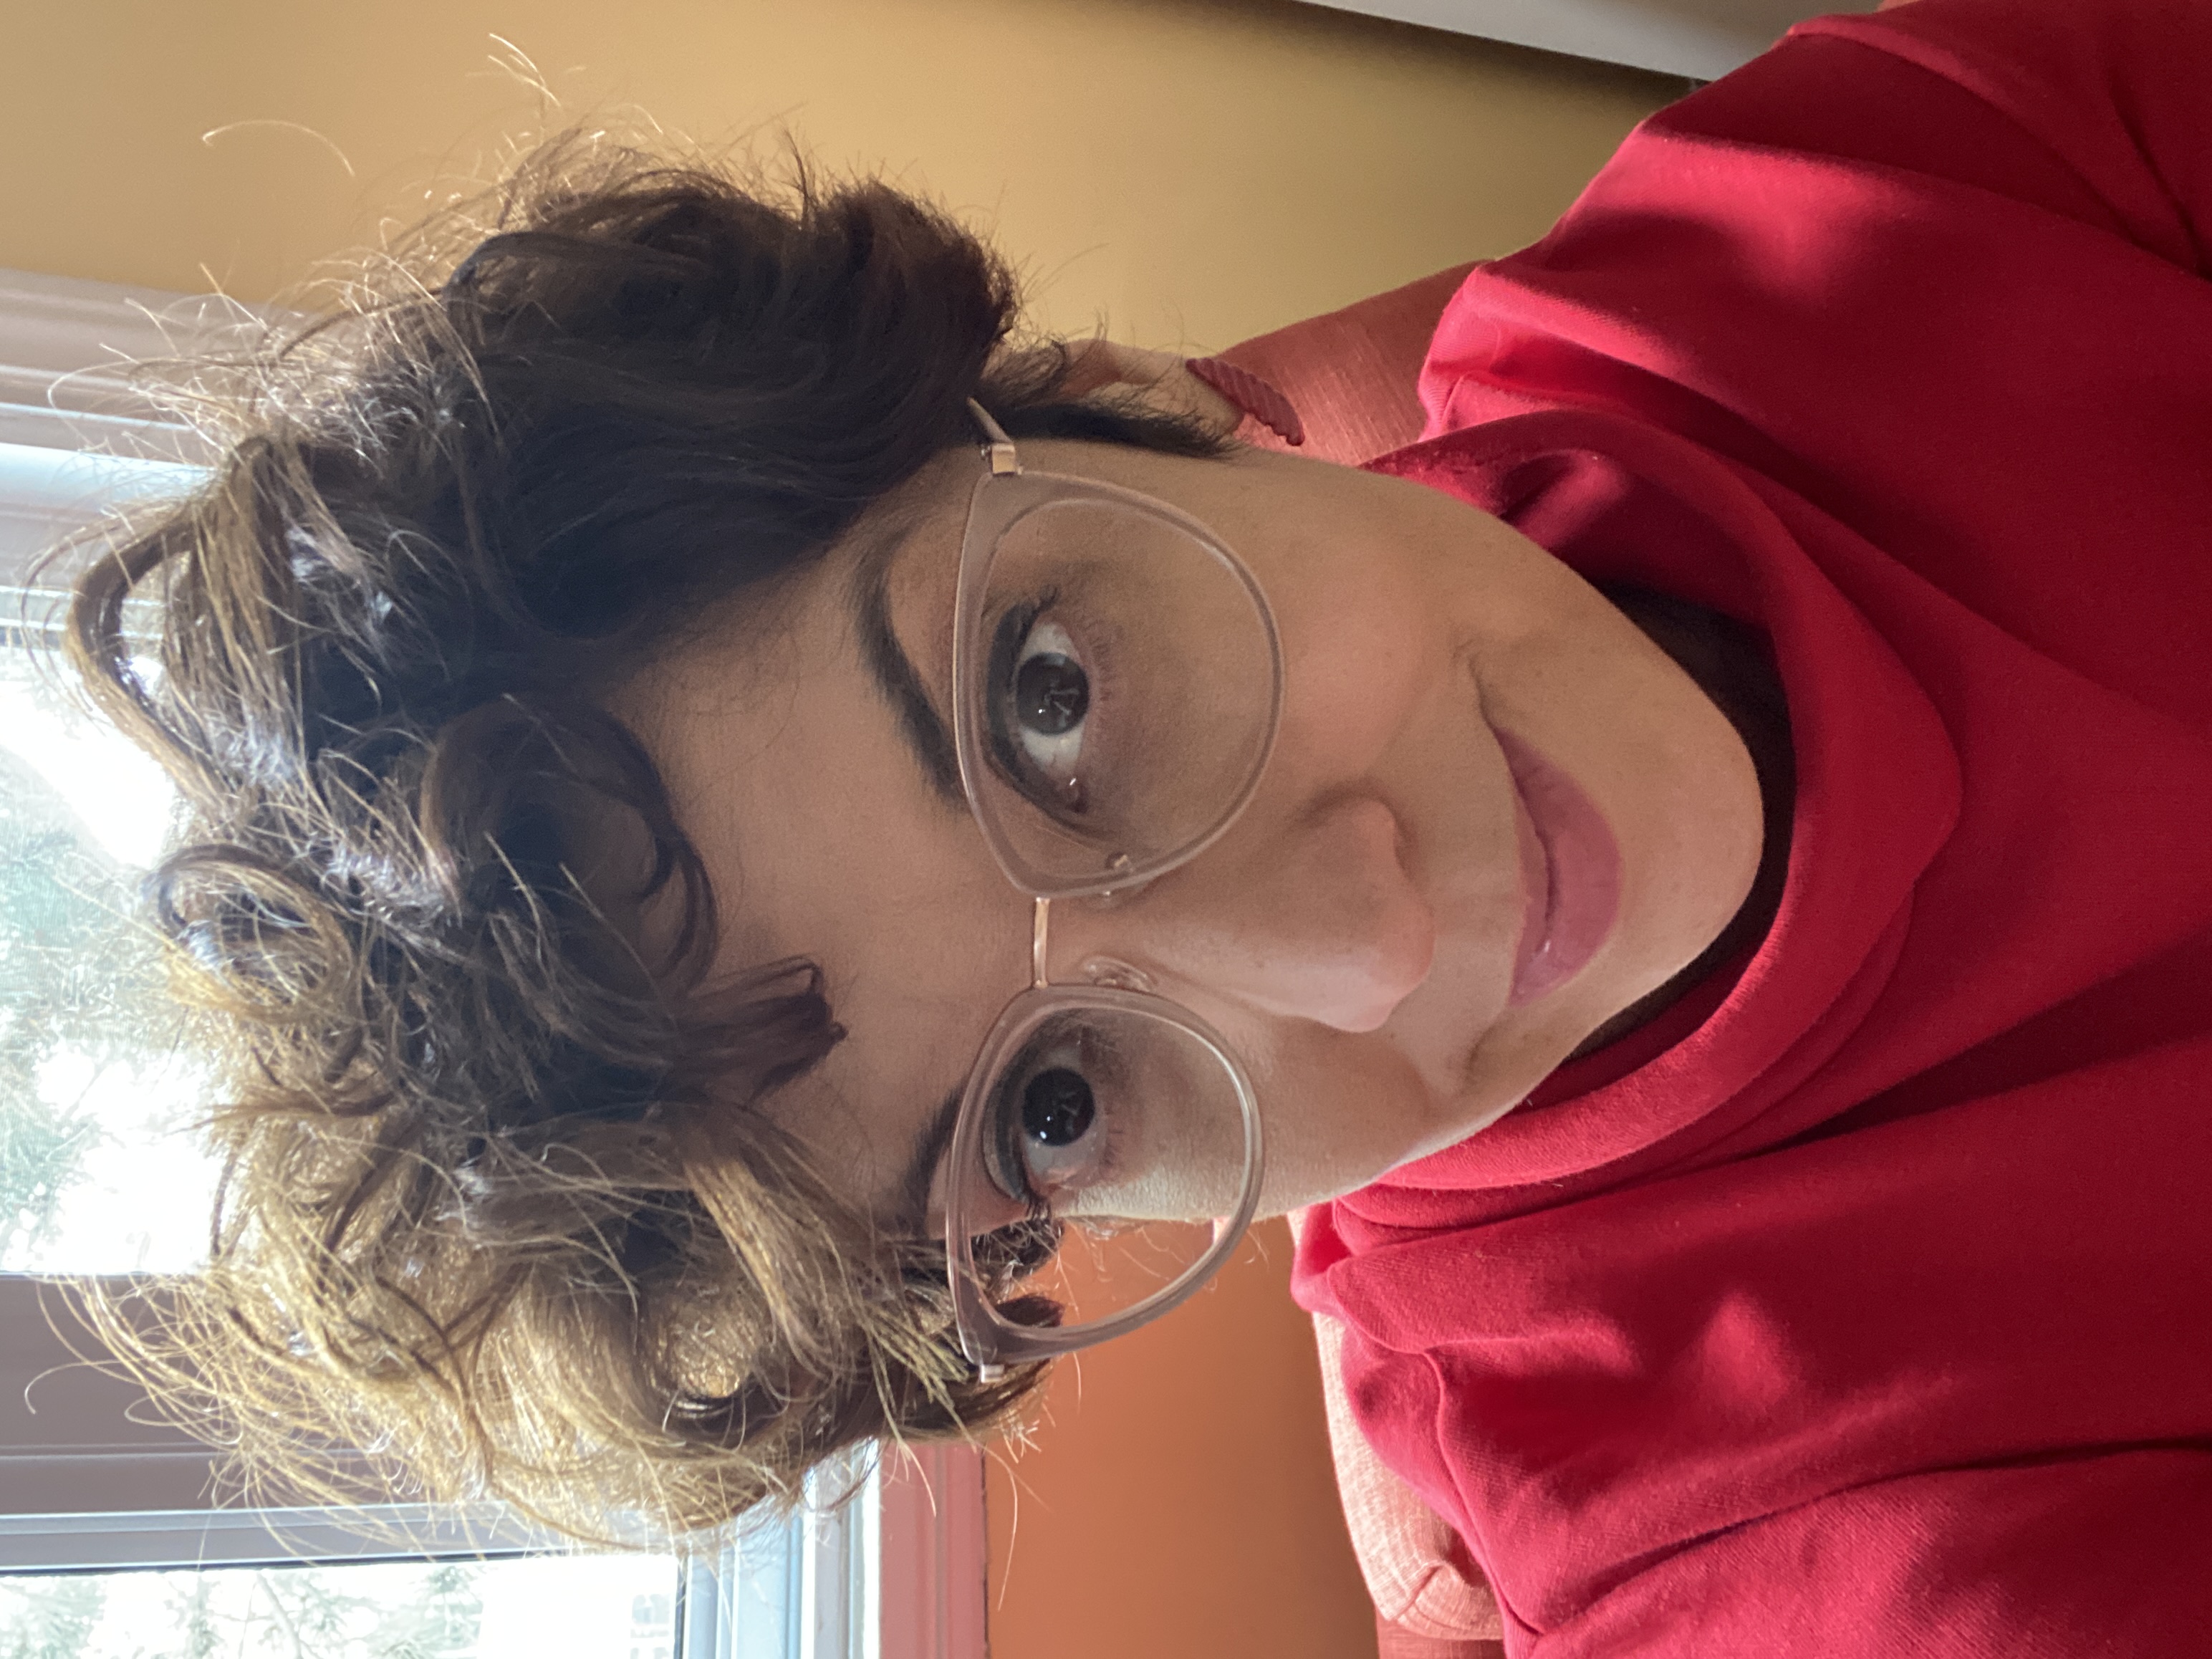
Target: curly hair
500	1210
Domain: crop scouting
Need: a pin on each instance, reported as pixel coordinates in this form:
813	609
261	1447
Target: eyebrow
921	1168
919	722
931	744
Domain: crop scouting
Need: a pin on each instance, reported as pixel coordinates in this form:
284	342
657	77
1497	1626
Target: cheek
1357	658
1340	1111
1182	1165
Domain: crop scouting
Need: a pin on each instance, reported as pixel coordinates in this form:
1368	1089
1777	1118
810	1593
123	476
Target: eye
1051	696
1044	706
1052	1135
1048	1131
1058	1108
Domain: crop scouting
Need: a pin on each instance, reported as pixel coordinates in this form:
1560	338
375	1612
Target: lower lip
1570	874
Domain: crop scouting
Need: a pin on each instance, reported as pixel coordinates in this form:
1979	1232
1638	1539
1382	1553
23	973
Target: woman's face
1496	815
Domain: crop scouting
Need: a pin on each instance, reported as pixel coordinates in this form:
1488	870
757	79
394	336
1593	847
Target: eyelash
1006	639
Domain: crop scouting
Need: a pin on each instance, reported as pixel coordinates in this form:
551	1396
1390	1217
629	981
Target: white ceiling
1701	39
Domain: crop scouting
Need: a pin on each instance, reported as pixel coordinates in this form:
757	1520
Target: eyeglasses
1117	687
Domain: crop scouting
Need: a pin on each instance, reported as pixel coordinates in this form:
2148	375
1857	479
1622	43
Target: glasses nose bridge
1097	951
1041	943
1085	969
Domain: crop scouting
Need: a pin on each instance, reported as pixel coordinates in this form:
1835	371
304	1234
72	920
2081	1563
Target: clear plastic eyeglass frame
1002	497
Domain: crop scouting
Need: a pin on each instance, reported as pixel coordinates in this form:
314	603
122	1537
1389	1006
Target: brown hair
498	1208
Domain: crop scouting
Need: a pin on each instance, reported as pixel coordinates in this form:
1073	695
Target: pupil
1057	1108
1050	693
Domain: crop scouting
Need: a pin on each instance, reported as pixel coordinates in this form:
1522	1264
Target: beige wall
1188	172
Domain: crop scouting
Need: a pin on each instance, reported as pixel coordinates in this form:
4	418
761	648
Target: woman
710	773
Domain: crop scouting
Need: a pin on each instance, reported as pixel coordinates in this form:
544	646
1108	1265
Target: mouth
1569	874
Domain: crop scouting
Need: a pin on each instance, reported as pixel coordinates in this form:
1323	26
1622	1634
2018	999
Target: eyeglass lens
1103	1123
1124	691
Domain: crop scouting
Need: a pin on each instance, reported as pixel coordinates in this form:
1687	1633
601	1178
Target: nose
1319	922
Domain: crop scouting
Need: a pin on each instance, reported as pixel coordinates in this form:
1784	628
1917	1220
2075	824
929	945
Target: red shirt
1865	1306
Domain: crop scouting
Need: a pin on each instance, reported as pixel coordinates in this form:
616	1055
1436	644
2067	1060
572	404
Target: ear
1159	379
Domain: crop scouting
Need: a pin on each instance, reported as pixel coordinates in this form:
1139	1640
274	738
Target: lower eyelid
1106	1167
1108	1171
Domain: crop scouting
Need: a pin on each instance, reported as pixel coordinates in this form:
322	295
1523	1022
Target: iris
1051	693
1057	1108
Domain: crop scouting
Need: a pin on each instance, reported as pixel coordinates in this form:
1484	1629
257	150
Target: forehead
823	838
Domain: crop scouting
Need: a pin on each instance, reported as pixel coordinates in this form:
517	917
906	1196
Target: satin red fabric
1864	1308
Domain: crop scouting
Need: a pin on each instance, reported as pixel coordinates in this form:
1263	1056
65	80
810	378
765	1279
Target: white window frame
85	1482
1699	40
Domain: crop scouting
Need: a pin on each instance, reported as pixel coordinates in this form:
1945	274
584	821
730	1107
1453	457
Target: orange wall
1178	1500
1185	172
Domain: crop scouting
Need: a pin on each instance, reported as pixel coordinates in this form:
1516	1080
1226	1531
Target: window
108	1542
95	1098
456	1609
